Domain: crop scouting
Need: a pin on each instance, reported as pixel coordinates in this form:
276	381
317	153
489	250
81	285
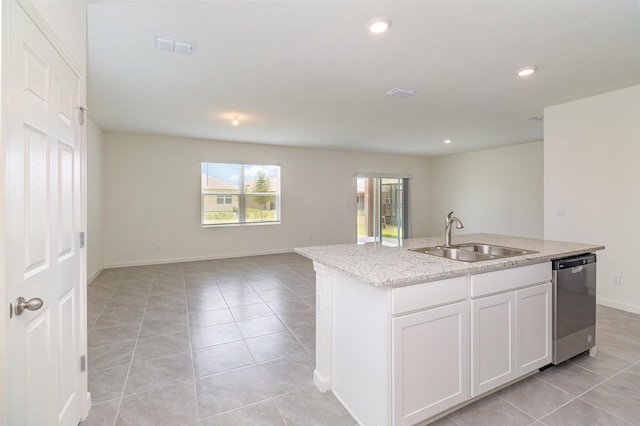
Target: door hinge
82	239
83	363
83	113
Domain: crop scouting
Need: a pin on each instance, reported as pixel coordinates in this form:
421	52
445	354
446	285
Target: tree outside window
261	185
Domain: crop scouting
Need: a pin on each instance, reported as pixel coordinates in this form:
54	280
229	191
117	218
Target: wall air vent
171	45
399	91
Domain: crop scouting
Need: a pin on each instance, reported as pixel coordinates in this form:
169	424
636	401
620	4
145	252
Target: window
225	199
234	194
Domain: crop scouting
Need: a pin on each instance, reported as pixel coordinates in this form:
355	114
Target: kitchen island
403	337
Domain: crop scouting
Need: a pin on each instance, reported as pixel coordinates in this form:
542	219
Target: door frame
4	307
402	204
81	138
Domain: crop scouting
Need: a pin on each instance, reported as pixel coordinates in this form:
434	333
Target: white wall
592	153
152	197
496	190
95	252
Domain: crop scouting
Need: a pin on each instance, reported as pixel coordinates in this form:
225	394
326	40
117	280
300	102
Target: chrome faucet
447	228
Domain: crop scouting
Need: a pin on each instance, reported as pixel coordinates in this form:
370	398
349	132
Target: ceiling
308	73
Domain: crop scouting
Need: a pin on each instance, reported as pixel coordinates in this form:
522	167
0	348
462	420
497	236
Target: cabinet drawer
509	279
426	295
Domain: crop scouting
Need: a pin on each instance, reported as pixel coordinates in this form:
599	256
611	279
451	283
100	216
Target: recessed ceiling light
448	141
523	72
379	25
235	120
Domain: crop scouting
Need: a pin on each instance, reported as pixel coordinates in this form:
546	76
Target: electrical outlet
616	279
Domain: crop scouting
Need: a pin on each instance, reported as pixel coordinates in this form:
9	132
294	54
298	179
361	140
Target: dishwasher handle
577	269
573	262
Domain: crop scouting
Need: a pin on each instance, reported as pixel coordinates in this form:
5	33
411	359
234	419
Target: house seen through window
239	193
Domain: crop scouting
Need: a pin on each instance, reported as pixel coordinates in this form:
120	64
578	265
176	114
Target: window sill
229	225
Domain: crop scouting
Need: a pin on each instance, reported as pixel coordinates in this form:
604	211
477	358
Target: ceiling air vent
399	91
171	45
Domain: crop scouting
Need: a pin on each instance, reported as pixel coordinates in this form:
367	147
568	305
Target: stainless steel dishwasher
574	306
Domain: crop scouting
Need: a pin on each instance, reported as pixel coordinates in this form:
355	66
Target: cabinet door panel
429	362
493	357
534	327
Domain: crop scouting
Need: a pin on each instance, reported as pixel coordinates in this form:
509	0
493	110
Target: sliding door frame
372	207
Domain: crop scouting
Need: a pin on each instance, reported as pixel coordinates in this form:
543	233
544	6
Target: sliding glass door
380	215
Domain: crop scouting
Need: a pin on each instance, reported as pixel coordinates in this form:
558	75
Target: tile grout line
603	410
124	387
578	397
121	280
191	350
103	306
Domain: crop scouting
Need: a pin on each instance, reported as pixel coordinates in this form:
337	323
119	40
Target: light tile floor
231	342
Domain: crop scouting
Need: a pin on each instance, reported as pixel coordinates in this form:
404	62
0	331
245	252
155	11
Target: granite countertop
384	266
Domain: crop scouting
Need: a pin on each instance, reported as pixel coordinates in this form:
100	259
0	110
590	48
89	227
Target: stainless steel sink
473	252
455	254
493	250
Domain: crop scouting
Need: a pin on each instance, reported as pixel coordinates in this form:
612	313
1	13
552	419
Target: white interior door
43	218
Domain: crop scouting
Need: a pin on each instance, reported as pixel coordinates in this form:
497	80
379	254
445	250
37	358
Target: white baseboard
618	305
346	407
321	382
93	277
192	259
88	407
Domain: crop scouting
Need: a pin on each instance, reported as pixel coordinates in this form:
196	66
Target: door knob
30	305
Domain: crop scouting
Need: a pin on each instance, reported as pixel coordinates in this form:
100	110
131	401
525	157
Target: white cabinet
533	327
430	359
402	355
510	330
493	341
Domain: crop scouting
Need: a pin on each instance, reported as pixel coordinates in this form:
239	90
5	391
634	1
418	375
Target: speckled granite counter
383	266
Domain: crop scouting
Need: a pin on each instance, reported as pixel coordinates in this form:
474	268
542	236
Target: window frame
243	195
